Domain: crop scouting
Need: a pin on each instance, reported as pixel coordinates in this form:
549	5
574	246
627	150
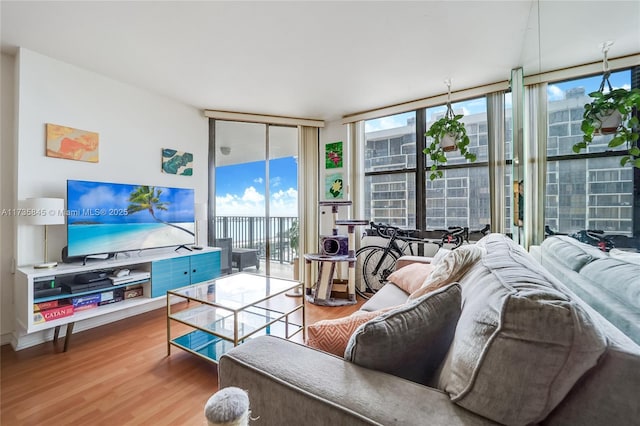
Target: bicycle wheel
361	256
377	267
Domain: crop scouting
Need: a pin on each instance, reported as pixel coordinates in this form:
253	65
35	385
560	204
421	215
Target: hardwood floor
117	374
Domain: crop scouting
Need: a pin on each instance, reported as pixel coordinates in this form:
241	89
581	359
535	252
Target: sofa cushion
409	341
521	343
619	278
571	252
411	277
630	257
450	268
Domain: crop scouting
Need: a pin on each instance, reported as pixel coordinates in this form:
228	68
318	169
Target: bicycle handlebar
389	231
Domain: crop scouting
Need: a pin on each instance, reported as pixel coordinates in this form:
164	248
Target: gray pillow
411	341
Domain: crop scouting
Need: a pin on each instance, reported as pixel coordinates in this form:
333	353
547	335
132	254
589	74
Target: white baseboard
6	338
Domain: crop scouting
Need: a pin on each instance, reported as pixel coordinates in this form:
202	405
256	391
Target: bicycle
594	237
454	236
377	262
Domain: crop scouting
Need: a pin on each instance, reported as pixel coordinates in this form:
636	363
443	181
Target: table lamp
44	211
200	212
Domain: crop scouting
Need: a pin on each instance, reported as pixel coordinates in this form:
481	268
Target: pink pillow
411	277
333	335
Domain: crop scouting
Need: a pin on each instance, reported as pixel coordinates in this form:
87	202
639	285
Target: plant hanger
448	134
606	73
612	113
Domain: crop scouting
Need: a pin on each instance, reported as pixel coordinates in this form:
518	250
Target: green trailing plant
451	126
620	101
294	237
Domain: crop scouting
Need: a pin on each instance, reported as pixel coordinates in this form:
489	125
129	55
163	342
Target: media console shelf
165	270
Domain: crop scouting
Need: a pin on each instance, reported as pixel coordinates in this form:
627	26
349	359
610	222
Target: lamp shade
44	211
200	211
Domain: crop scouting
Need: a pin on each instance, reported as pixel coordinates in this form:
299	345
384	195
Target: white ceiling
317	59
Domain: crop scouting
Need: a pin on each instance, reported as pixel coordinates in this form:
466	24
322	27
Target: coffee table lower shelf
211	347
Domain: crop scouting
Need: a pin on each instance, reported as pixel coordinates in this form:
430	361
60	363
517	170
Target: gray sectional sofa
524	350
611	285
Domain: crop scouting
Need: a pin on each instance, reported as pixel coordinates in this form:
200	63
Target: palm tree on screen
147	198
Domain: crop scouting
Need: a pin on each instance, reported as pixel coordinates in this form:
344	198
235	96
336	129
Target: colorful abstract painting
333	155
177	162
72	144
334	186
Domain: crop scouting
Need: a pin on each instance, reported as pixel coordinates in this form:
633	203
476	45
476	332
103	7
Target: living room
136	123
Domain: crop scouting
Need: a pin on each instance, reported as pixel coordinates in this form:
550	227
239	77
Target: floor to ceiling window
589	190
256	191
586	190
390	161
461	196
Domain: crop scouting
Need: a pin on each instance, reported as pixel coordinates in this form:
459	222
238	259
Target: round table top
320	257
352	222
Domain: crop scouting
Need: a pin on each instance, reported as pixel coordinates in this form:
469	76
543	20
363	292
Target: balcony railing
250	232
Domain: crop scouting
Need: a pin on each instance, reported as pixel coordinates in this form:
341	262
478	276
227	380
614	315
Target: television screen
113	217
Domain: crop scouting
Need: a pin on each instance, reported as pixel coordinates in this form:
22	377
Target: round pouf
228	407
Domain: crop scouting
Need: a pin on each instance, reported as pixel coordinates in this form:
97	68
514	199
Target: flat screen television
107	217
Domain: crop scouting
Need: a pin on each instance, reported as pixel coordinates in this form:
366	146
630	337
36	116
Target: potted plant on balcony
612	113
294	243
448	134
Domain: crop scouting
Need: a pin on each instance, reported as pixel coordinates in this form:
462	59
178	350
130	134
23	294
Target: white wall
133	126
334	131
7	142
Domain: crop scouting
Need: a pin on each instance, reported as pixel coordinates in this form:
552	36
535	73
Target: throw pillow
410	341
450	268
521	342
333	335
440	254
409	278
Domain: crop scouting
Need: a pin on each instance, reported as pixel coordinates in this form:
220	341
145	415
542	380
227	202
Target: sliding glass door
256	194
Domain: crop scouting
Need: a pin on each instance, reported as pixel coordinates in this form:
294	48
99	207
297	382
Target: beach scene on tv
112	217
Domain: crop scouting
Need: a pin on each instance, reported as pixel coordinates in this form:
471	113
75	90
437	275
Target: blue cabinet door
205	266
168	274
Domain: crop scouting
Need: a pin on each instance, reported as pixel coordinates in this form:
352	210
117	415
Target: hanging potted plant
448	134
612	113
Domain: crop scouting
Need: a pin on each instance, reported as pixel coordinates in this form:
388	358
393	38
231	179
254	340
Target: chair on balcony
226	245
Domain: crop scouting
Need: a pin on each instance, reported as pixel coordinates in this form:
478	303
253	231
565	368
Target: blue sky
241	188
555	91
107	203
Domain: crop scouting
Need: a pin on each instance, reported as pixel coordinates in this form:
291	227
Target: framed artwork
333	155
334	186
177	162
71	144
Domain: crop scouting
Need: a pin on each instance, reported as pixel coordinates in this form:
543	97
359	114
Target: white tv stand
168	269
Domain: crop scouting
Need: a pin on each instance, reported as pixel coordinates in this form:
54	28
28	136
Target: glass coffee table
223	313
